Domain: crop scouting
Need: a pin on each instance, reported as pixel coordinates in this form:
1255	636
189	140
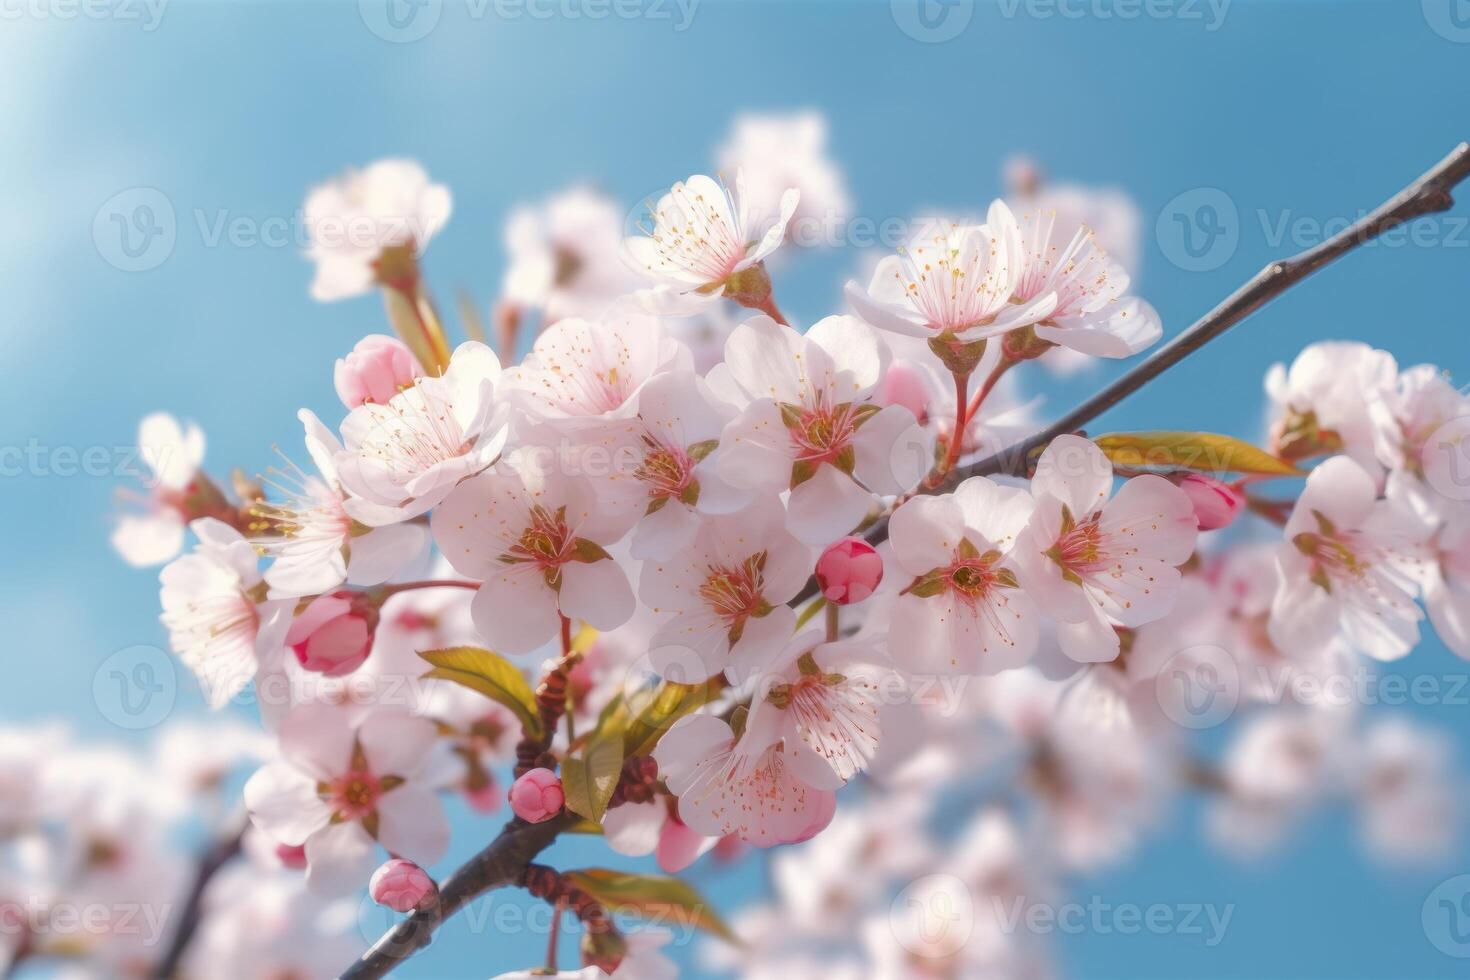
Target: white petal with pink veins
396	743
515	610
1074	471
858	357
766	360
925	532
885	316
380	554
1089	640
148	539
318	739
826	506
756	449
997	513
893	452
1153	515
634	828
284	804
761	639
340	859
776	234
597	592
412	824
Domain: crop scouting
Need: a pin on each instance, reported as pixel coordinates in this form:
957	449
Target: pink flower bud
376	369
402	886
292	856
537	796
334	634
904	385
1216	504
486	799
849	571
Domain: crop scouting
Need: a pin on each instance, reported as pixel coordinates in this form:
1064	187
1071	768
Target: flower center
354	795
546	541
734	594
665	470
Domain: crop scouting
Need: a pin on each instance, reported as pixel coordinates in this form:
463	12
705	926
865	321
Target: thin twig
1430	194
220	853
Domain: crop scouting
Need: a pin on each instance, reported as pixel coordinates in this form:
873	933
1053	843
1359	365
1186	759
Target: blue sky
1296	114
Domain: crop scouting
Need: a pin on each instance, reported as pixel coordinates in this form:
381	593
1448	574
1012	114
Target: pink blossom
402	886
376	369
1216	504
537	796
849	571
334	634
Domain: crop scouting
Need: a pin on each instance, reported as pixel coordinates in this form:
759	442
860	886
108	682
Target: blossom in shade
773	794
1092	314
376	369
352	219
535	540
704	242
316	543
1349	562
1447	583
582	373
961	610
1413	427
955	282
777	151
342	787
1093	563
402	886
402	458
809	423
564	257
154	531
216	613
721	602
1321	405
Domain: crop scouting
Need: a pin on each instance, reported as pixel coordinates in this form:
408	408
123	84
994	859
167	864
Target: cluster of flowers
93	880
643	497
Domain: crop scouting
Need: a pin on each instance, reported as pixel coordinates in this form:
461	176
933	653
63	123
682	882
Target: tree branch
503	862
219	854
506	859
1430	194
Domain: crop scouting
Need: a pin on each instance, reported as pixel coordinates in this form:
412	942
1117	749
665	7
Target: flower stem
995	375
961	420
833	623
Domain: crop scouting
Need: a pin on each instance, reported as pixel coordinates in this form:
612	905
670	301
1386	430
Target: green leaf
699	450
490	674
589	779
585	551
662	899
668	704
1206	451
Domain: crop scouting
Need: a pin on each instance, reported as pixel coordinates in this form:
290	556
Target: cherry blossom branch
219	854
1430	194
503	862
